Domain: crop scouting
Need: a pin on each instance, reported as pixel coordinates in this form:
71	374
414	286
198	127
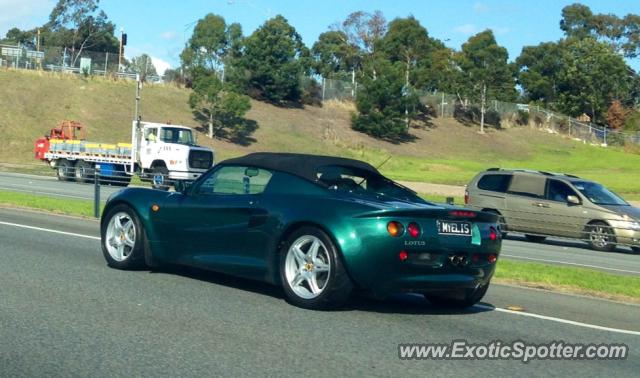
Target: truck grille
200	159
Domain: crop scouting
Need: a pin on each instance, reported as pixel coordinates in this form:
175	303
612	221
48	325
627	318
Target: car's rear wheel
601	237
123	238
458	299
312	272
535	238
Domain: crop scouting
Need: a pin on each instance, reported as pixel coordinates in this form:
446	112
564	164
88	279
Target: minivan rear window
494	183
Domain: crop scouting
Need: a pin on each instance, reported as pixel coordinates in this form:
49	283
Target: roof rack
531	171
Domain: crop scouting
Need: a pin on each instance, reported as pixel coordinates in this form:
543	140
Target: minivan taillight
466	197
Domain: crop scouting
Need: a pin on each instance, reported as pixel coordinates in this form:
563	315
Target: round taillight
395	228
413	229
403	255
493	234
492	258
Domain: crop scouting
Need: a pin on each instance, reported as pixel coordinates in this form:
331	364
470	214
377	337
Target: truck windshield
176	135
598	194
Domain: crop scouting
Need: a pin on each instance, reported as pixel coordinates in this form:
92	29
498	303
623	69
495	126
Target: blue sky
160	27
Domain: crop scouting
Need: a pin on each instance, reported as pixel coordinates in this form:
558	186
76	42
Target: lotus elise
319	226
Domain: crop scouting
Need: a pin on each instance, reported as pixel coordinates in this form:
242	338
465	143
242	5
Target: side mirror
181	186
573	200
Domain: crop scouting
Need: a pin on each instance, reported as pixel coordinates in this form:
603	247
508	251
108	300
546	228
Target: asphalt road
50	186
63	312
552	251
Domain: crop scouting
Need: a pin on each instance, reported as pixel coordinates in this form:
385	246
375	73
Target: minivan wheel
535	238
601	237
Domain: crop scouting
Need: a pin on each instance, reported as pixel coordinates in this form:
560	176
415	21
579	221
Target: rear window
494	183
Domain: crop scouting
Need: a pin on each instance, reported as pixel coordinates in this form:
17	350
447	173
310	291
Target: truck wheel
160	178
64	170
84	171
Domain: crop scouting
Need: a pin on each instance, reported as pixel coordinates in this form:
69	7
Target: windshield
598	194
176	135
364	182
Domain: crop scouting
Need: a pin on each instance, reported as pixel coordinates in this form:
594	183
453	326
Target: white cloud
480	7
500	30
160	65
23	14
466	29
169	35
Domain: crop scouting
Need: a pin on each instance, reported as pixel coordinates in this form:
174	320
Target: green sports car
319	226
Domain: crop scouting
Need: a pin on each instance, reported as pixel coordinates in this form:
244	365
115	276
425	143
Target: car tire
314	281
64	170
123	238
160	170
535	238
600	236
502	222
464	299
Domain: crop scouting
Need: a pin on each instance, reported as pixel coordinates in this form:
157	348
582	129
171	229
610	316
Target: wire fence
62	59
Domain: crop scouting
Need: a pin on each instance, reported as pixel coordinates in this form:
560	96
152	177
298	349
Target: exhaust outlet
459	261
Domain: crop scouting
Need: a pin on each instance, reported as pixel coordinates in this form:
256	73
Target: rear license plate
454	228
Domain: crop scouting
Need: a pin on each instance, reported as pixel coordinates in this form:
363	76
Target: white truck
159	152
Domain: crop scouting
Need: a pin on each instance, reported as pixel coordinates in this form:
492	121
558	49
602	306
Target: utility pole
482	106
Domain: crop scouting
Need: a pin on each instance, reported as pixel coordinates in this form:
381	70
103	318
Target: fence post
106	59
324	81
604	130
96	192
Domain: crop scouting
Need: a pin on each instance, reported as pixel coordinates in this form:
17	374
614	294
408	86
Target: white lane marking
559	320
50	230
570	263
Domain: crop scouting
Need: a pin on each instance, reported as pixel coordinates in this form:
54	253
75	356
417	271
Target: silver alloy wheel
121	236
307	267
600	236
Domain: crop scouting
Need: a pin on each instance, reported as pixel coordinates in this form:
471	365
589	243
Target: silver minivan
542	204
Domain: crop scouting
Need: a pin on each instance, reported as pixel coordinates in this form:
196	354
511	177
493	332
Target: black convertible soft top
303	165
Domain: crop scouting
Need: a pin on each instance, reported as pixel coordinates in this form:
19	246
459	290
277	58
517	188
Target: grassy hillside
447	152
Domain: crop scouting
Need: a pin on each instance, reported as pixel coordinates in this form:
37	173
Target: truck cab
169	152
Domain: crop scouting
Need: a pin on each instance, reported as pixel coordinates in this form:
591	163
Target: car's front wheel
601	237
122	238
312	272
458	299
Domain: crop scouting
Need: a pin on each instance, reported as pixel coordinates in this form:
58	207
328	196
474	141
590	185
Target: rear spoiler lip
439	214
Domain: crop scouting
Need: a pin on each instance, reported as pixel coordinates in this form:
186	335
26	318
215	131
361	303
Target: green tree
217	104
407	42
593	75
80	25
364	31
274	61
333	56
485	69
143	66
385	105
539	71
213	47
622	34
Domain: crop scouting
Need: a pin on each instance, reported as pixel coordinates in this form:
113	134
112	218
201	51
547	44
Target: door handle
540	204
